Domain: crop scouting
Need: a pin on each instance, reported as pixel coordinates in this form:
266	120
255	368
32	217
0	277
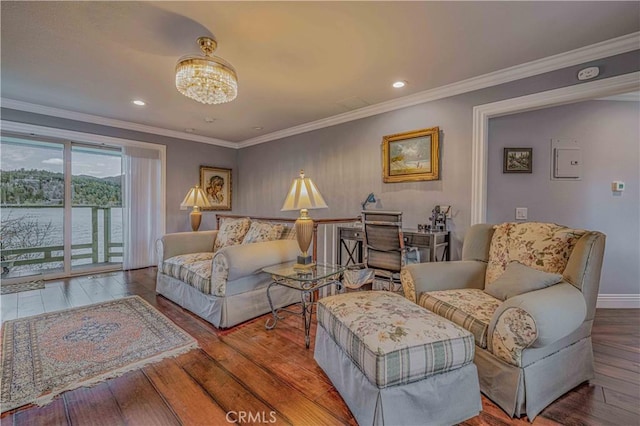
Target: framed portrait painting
216	183
518	160
411	156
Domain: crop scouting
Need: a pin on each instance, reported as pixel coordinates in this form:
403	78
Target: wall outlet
521	213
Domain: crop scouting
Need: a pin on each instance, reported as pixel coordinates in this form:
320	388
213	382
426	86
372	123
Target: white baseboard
618	301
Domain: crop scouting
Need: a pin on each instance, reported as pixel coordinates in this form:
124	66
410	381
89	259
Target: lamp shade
303	194
195	198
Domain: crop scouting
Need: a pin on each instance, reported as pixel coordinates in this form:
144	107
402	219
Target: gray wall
345	160
608	134
184	159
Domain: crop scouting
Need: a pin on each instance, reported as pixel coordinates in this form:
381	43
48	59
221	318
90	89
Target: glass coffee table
306	282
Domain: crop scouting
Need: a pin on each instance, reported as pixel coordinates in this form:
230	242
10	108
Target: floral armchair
527	292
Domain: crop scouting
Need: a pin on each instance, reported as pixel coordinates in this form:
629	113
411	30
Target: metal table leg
307	300
307	313
271	322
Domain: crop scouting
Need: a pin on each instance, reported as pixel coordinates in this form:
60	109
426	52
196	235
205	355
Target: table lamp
303	195
195	198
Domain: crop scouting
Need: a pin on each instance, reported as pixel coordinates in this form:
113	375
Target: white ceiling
297	62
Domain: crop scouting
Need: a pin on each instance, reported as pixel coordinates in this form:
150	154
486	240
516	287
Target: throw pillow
231	232
518	279
263	231
542	246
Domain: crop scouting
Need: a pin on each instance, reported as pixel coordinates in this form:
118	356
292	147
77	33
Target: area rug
16	288
45	355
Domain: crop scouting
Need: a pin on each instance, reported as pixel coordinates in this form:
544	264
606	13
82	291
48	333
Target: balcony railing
105	250
99	250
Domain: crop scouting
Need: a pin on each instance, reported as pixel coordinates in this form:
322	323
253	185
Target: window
64	204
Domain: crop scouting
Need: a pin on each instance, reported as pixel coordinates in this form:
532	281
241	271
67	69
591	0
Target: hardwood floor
249	375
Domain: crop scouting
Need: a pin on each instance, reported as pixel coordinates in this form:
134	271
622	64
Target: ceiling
297	62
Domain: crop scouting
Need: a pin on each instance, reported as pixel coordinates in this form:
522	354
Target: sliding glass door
61	208
32	193
96	214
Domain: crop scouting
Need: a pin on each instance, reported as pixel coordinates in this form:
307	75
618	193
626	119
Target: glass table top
315	273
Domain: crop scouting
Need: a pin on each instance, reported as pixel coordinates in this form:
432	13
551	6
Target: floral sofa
218	274
527	292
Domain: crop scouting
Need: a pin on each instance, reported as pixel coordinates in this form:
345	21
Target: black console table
350	243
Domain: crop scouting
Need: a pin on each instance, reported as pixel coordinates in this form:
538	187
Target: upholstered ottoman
394	362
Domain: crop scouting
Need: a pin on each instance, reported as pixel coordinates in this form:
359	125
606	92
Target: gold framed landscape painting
411	156
216	183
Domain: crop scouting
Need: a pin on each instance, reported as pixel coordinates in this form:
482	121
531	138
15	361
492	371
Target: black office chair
384	253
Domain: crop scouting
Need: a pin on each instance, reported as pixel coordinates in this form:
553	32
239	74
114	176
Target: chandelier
206	79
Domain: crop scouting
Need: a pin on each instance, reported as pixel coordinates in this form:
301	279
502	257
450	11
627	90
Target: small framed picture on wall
518	160
216	183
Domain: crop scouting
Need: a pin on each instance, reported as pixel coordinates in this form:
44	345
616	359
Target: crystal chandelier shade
206	79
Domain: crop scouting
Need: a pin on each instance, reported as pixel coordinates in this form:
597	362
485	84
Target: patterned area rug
16	288
45	355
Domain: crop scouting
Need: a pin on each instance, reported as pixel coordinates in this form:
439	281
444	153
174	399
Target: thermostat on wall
617	186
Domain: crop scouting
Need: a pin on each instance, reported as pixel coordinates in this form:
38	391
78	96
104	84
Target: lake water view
81	231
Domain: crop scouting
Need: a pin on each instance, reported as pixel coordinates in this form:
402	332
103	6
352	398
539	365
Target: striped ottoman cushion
392	340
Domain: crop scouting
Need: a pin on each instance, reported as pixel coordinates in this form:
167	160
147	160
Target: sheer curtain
142	201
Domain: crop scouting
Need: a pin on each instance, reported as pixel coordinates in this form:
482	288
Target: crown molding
624	97
615	46
110	122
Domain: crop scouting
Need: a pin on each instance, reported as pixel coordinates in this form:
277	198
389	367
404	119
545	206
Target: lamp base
196	218
304	263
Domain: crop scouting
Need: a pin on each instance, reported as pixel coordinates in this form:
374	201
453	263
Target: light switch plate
521	213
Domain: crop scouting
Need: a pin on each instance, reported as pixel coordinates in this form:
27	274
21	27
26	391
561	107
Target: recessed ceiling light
258	128
139	102
209	119
399	84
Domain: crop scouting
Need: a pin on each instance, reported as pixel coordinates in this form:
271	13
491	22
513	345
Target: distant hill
41	187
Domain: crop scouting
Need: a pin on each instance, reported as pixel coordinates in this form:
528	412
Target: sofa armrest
535	319
248	259
420	277
185	242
